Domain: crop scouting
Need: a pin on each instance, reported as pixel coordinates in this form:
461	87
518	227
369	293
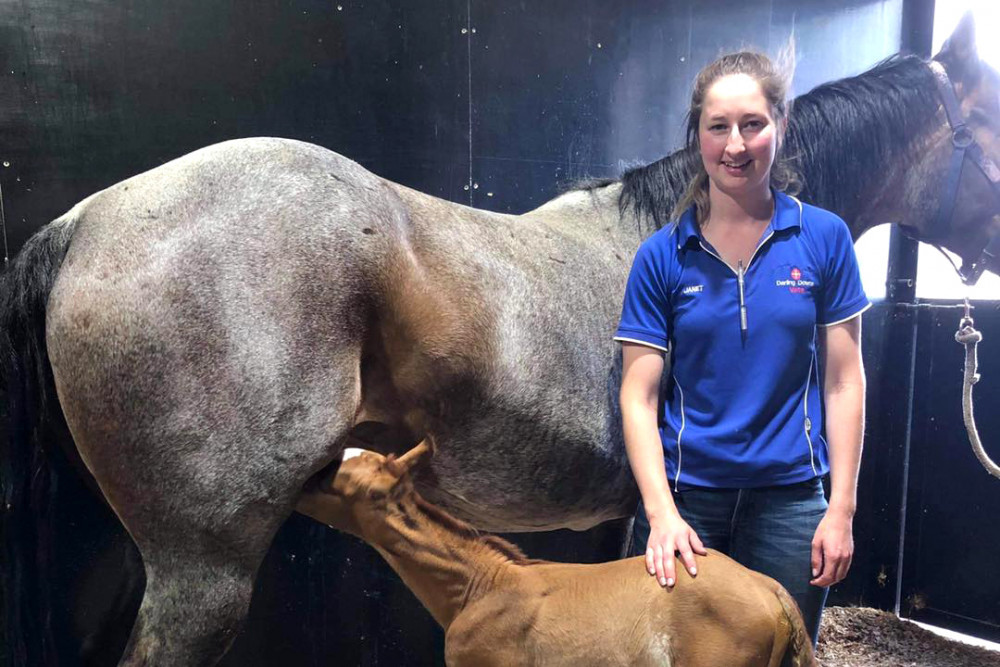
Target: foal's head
365	482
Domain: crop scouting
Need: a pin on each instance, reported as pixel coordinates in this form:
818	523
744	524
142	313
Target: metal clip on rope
970	338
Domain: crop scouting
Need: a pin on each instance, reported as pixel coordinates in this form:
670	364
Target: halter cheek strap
964	146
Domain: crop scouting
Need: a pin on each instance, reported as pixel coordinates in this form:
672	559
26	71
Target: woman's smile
736	168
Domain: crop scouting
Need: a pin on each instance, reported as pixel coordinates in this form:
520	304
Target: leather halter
964	146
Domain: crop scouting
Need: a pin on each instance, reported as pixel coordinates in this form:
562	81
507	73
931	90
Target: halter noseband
964	146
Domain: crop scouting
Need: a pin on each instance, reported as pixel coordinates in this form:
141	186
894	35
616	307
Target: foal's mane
458	527
466	531
881	110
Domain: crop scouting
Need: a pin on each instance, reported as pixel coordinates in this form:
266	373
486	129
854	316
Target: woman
757	298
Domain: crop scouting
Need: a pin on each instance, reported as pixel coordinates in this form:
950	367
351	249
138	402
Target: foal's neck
442	561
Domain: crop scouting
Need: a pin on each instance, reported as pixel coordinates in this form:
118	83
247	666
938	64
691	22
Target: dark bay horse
214	331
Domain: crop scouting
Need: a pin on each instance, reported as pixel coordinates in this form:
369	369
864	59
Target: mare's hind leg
191	610
203	534
202	483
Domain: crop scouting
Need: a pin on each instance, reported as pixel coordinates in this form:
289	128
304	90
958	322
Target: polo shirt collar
687	228
787	215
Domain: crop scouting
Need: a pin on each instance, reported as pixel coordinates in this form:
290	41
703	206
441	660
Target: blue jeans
768	529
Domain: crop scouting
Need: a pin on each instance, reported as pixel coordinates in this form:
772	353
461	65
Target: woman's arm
844	399
641	370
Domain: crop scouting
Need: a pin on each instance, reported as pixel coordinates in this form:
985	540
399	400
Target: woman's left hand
832	548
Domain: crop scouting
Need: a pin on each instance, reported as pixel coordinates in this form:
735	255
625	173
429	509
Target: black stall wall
496	105
493	104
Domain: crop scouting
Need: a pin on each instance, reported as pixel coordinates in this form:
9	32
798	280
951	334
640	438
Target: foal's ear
407	461
959	55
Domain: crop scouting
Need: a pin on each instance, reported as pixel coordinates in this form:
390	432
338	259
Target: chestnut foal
499	608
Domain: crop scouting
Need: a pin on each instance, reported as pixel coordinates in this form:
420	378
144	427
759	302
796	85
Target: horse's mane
652	191
882	110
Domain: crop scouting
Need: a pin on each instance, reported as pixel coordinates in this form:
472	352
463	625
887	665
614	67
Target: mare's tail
31	426
799	652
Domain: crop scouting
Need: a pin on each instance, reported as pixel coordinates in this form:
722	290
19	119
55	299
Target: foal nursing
499	608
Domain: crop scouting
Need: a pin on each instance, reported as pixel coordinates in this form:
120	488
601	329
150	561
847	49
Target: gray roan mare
218	327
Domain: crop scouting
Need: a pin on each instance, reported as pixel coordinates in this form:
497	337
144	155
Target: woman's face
738	136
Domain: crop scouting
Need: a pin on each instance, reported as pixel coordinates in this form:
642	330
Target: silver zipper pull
743	305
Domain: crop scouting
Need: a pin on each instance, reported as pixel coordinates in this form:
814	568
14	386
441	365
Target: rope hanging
969	337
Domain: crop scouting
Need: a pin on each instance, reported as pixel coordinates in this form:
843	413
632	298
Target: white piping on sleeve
622	339
846	319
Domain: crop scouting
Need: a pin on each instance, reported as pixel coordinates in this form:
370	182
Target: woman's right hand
642	368
668	535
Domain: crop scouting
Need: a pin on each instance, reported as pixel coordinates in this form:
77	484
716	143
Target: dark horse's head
964	217
880	147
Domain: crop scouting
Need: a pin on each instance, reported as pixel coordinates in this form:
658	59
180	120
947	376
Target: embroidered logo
795	284
693	289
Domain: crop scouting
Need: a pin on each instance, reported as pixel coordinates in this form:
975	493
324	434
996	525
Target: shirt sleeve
646	310
843	296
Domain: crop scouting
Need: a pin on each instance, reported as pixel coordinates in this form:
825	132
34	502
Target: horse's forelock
366	474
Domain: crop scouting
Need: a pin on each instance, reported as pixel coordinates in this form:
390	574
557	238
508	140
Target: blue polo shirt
742	406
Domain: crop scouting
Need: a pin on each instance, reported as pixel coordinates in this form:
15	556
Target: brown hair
774	82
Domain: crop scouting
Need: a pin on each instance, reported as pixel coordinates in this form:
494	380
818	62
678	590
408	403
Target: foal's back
616	614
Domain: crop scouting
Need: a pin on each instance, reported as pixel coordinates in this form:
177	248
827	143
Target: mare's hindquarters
205	336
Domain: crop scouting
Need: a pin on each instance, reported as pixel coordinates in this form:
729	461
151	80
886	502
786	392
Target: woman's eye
754	124
718	127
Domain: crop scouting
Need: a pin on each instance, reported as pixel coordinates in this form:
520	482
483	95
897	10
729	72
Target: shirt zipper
743	305
740	273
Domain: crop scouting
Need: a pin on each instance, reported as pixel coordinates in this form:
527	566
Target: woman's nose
734	143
